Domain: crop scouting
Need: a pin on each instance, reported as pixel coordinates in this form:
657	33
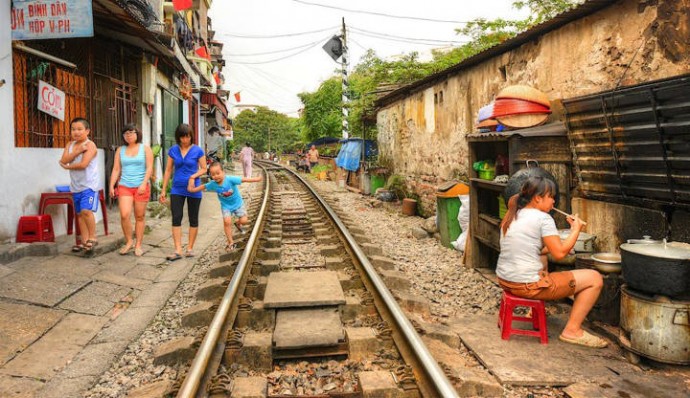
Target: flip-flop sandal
189	253
138	251
173	257
125	250
231	248
90	245
77	248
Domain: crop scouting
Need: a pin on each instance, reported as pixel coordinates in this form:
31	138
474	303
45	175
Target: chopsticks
568	215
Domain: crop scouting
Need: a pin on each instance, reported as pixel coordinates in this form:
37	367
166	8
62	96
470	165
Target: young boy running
226	187
79	158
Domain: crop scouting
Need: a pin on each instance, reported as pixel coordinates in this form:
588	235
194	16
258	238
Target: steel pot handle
531	160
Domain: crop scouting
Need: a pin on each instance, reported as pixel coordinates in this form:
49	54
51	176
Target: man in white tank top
79	158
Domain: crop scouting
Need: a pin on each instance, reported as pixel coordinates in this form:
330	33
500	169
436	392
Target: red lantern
237	96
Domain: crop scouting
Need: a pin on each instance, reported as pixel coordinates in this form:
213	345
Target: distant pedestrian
247	157
188	162
132	173
231	204
313	156
79	158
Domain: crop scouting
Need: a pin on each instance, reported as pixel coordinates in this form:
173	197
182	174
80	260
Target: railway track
304	312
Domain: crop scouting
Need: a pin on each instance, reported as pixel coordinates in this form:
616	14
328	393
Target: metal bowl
608	258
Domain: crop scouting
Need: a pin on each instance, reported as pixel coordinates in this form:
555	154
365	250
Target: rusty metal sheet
633	143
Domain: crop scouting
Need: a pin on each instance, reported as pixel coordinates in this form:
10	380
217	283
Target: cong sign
51	100
34	20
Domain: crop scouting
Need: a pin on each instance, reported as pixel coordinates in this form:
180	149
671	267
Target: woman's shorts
237	213
550	286
127	191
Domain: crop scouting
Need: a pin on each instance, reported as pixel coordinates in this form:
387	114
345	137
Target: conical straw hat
526	93
524	120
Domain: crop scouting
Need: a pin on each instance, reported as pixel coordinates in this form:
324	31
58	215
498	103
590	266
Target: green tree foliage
257	128
322	114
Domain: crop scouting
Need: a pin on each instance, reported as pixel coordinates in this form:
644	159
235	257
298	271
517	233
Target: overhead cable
380	35
277	59
380	14
279	35
272	52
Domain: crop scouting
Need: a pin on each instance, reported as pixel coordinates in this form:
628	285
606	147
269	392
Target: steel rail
440	386
197	370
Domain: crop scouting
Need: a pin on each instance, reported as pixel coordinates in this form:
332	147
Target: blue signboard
37	20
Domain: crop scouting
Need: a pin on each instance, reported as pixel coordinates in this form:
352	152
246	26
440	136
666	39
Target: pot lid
659	250
646	239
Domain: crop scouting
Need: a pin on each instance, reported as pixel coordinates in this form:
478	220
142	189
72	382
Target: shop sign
37	20
51	100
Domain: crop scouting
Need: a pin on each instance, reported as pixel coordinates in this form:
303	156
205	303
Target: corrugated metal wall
632	145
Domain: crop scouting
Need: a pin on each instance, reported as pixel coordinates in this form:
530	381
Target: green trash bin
447	209
376	181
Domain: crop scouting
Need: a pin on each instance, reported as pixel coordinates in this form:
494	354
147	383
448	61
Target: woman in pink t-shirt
246	156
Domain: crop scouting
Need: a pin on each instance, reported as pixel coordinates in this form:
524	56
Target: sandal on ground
138	251
240	229
173	257
90	245
125	249
189	253
77	248
586	340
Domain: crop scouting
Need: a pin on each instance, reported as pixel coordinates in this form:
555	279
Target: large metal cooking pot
516	180
655	328
657	268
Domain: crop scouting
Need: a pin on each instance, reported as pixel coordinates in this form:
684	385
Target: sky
273	48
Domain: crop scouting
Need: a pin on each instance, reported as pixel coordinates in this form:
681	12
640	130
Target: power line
380	14
272	52
279	35
387	36
264	76
281	58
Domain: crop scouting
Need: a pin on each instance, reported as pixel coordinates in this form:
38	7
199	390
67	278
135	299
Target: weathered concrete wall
628	43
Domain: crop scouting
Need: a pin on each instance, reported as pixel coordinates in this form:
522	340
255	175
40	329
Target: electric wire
266	77
271	52
278	35
380	14
277	59
387	36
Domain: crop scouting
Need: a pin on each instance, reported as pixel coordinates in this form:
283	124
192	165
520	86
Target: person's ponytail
511	214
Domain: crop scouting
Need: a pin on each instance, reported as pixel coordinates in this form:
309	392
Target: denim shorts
550	286
237	213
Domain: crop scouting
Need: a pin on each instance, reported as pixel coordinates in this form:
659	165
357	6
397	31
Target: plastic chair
506	317
37	228
57	198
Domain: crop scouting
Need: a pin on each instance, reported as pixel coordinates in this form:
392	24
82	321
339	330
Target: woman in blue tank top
132	172
189	163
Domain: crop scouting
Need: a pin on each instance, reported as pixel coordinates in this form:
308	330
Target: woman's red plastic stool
35	229
506	317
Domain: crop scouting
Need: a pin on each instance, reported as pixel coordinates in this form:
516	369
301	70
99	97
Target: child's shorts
237	213
85	200
127	191
550	286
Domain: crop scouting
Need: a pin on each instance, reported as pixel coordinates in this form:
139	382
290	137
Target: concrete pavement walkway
65	318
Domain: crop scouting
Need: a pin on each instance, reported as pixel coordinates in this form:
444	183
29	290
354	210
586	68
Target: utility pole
346	85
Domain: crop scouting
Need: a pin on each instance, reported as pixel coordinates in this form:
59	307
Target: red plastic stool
506	317
56	198
35	229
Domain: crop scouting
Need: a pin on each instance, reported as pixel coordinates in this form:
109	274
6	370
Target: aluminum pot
584	243
657	268
515	182
658	328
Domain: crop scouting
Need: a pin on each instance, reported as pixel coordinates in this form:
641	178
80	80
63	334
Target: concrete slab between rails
303	289
250	387
522	360
306	328
378	384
